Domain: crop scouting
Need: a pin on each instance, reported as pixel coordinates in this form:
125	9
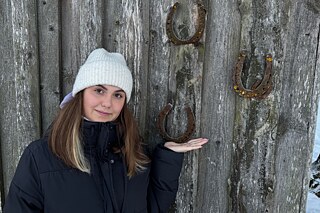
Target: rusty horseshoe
200	28
261	88
185	136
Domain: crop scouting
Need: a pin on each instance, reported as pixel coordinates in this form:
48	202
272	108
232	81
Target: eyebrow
120	90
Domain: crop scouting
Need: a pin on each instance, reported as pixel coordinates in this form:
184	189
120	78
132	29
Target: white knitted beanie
103	67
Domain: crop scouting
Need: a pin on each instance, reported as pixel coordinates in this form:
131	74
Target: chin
99	119
103	120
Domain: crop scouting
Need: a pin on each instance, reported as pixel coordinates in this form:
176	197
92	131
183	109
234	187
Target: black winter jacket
43	183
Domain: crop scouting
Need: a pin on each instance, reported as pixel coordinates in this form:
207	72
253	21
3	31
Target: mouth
103	113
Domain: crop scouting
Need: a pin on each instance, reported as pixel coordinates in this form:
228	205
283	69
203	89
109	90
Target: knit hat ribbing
103	67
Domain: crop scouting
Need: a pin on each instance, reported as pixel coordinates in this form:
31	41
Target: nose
107	101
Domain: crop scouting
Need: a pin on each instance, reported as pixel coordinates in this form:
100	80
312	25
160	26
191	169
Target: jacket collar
100	136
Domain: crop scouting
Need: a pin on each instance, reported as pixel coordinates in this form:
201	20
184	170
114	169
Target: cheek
86	109
88	104
90	101
119	106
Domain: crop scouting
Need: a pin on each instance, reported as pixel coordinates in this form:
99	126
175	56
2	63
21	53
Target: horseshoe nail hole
51	28
29	55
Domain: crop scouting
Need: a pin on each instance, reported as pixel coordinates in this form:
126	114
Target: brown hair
65	138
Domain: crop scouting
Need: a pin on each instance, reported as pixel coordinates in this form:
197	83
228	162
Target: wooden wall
259	151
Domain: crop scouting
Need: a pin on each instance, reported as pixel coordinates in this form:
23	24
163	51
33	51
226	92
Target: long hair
133	150
65	138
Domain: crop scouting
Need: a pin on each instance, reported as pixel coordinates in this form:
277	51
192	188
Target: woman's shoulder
38	145
39	148
39	153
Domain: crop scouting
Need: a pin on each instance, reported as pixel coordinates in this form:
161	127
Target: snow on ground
313	203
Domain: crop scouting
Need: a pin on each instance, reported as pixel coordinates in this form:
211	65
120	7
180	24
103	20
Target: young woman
92	159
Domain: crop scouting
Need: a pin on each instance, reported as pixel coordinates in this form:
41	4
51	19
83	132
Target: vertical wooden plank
127	30
6	64
111	24
253	172
158	68
297	112
184	90
217	106
70	56
90	13
49	59
271	137
176	78
20	115
81	33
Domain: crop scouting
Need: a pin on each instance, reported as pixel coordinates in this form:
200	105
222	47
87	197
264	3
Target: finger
194	144
194	140
192	148
201	142
197	140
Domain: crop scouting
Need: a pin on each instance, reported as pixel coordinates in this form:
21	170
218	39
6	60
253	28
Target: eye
99	91
119	95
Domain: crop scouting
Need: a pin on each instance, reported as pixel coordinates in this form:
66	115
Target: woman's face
103	103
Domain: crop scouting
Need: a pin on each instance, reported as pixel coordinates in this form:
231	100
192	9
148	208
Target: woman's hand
188	146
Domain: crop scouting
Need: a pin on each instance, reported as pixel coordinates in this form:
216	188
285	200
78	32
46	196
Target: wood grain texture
253	164
81	33
20	105
217	107
272	136
175	77
297	109
130	26
6	64
259	151
49	25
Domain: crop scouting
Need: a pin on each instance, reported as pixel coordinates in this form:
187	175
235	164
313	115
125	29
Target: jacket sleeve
164	179
25	190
